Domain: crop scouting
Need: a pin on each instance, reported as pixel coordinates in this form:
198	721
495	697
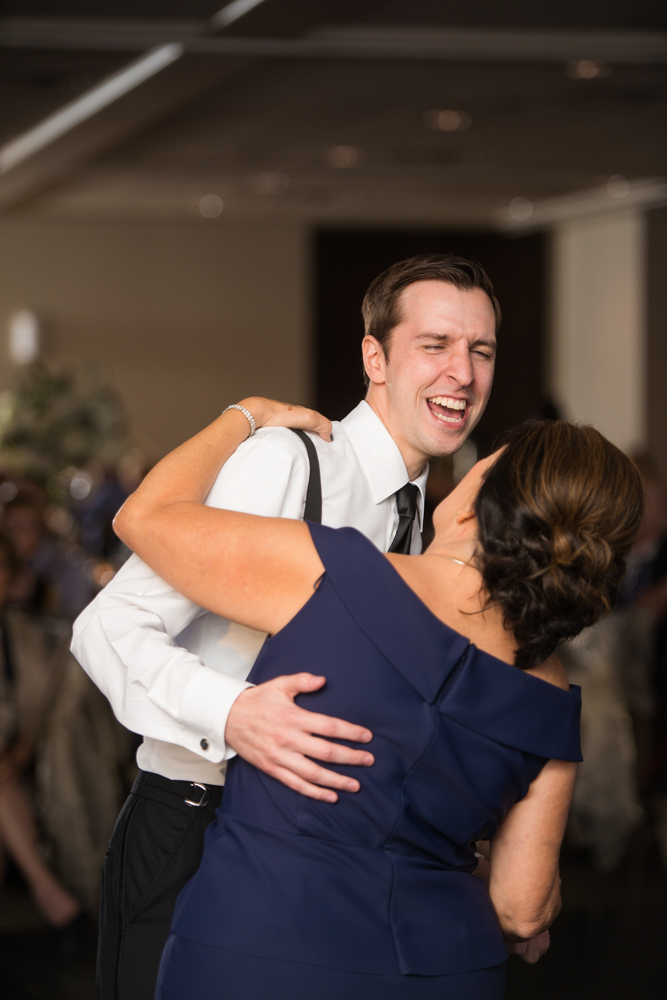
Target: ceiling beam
640	195
619	47
52	151
159	82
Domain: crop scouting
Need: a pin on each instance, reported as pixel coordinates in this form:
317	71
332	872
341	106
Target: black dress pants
155	848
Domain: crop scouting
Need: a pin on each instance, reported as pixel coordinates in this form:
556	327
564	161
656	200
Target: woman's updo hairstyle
558	512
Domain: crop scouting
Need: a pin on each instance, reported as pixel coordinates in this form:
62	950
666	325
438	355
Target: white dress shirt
172	670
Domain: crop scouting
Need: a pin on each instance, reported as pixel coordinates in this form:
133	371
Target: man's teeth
450	404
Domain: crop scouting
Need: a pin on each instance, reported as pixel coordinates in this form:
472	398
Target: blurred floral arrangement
65	453
54	422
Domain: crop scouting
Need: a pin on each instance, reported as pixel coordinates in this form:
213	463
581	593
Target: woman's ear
465	514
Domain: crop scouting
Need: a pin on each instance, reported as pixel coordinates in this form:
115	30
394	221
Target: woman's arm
254	570
524	882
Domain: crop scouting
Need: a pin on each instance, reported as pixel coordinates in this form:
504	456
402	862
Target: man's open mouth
447	409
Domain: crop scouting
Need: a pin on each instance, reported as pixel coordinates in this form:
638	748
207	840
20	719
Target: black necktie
406	501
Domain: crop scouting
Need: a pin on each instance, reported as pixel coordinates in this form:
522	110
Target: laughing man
177	674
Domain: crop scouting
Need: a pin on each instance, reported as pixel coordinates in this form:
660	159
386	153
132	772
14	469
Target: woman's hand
272	413
257	571
531	951
188	472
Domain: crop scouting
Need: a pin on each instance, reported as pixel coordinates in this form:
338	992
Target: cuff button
204	744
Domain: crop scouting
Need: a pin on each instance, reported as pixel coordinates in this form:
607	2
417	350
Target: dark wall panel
348	260
657	337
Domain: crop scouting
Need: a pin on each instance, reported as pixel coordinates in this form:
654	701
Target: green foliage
54	420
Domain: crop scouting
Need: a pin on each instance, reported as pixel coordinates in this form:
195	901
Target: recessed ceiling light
447	121
211	206
345	157
269	182
587	69
520	209
618	186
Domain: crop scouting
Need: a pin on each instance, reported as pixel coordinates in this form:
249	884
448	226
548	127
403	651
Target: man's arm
124	641
125	638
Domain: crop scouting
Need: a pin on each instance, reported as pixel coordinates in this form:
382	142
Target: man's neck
415	462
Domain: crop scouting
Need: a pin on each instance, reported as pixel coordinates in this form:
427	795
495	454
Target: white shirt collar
380	457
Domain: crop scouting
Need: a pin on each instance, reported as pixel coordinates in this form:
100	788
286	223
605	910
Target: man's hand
531	951
268	730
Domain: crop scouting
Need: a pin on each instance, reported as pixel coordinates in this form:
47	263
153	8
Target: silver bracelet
246	413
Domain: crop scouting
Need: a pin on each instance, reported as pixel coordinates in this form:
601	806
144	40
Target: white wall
183	317
598	346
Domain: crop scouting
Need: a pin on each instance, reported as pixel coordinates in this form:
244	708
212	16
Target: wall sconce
24	337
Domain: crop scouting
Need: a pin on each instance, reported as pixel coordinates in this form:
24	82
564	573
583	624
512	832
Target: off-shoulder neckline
443	627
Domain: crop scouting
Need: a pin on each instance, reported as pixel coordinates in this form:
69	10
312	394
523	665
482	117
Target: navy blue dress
372	897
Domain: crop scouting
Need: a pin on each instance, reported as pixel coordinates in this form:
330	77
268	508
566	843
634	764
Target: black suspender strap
313	510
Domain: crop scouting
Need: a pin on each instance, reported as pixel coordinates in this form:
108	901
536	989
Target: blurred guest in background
647	582
29	679
47	582
56	803
605	806
646	592
621	665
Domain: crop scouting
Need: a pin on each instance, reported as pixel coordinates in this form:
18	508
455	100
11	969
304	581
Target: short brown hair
380	307
557	515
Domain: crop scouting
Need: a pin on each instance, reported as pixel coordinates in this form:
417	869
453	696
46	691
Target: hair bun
557	513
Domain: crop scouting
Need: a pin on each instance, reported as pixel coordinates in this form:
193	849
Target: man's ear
375	363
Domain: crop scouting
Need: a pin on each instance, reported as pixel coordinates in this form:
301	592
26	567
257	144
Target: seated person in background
446	658
47	582
29	677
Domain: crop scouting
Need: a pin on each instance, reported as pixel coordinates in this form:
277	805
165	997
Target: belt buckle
204	798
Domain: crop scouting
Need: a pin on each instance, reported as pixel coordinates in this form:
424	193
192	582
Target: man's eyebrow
444	337
433	336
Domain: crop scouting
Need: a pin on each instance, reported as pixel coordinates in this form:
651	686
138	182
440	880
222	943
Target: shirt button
203	744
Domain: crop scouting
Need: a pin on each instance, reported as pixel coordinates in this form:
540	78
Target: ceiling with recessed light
419	110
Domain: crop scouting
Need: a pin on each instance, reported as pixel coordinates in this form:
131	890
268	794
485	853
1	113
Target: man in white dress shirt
177	674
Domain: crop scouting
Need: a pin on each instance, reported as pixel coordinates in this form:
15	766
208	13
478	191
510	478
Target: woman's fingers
273	413
537	947
311	420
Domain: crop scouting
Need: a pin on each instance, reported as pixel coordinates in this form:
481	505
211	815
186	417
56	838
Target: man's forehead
438	308
446	299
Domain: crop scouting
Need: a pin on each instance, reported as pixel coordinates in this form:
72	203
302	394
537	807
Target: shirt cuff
205	706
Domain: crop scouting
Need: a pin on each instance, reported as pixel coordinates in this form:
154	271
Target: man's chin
447	440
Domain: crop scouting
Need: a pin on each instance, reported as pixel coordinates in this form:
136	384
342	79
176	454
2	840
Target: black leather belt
171	792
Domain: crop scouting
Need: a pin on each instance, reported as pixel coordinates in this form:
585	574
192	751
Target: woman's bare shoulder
552	671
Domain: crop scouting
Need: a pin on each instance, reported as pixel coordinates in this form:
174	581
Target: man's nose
458	366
